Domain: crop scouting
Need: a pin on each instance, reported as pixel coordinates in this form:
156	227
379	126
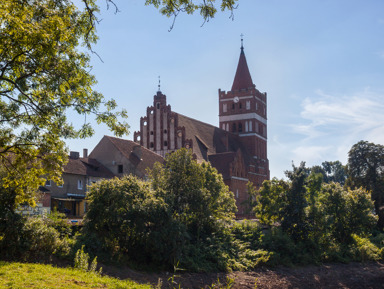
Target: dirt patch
352	275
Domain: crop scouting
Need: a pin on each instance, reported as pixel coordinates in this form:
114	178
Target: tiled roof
243	78
87	167
139	156
208	139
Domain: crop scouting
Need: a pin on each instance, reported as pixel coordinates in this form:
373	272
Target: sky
321	63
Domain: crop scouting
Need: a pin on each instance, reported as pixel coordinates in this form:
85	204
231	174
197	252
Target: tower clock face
236	99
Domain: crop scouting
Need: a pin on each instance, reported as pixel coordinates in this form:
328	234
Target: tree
44	75
331	172
207	9
196	193
366	169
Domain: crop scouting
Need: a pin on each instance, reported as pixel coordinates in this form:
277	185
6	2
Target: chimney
74	155
85	153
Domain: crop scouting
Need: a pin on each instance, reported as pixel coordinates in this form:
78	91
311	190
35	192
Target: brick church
237	148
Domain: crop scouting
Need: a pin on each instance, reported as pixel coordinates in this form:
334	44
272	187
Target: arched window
240	126
250	126
246	126
234	127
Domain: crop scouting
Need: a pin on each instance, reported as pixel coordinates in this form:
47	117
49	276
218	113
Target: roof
209	140
87	167
141	157
243	78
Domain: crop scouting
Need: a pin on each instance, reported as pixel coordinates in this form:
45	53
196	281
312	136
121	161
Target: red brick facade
237	148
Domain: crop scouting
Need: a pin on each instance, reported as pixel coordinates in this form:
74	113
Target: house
124	157
237	148
79	172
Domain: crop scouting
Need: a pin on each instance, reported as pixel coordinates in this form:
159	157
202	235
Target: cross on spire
159	84
242	35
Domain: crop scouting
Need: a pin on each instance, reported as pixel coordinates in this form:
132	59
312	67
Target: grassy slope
20	275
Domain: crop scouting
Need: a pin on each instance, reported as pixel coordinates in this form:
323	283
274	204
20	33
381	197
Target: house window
158	105
246	126
152	132
250	126
248	104
48	183
165	131
227	127
224	107
165	143
151	144
240	127
223	126
240	106
120	169
80	184
234	127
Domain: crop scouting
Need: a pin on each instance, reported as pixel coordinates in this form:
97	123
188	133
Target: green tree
43	76
366	169
331	172
195	193
127	220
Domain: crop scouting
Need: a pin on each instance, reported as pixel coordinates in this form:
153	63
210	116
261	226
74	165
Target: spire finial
242	35
159	85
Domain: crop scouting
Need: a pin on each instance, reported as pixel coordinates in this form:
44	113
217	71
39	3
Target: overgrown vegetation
183	216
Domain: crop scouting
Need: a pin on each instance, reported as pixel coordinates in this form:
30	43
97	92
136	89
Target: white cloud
347	117
328	127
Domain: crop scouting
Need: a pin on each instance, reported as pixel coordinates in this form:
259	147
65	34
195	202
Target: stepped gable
87	167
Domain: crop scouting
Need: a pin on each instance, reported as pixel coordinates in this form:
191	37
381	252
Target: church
237	147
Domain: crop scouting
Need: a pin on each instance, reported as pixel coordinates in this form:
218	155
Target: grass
20	275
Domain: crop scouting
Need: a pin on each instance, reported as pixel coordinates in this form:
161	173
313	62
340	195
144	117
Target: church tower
243	111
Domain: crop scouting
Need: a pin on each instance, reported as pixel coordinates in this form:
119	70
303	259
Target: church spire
243	78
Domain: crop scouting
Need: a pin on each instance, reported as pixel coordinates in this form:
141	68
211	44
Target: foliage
331	172
36	276
195	193
60	223
44	75
207	9
180	214
126	218
366	169
312	220
32	238
81	262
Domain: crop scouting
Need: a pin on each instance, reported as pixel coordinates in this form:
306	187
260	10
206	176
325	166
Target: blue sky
321	63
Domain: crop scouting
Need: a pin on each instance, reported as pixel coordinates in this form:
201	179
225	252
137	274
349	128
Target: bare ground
352	275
